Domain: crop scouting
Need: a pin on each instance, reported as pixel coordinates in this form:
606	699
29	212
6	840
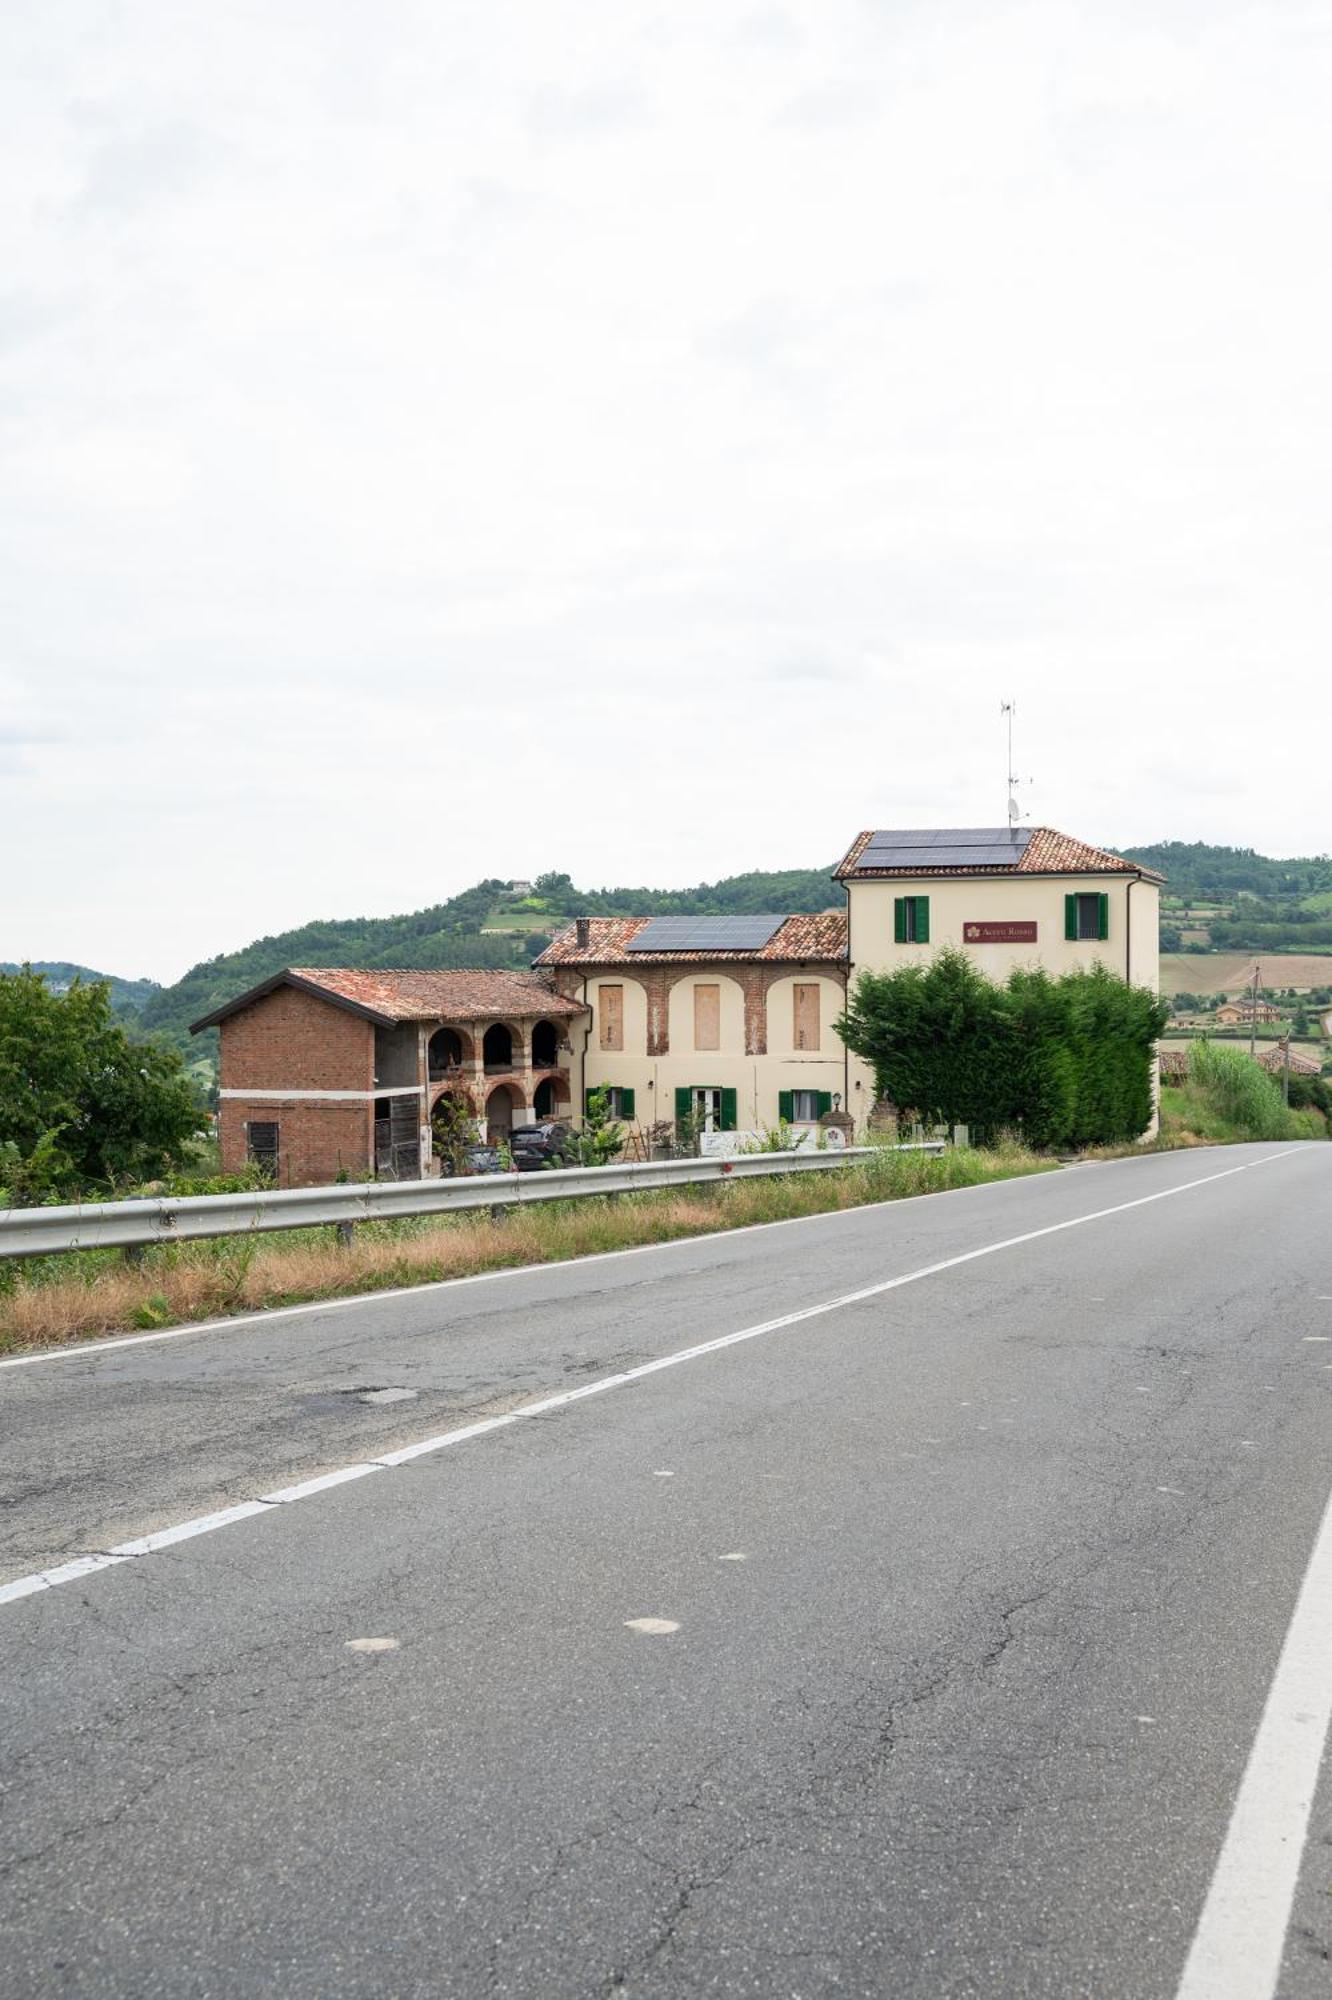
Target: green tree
83	1106
601	1139
1067	1061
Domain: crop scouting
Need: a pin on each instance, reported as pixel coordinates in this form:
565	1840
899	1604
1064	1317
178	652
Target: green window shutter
728	1111
1103	917
682	1102
626	1104
784	1105
1071	918
922	920
825	1102
899	919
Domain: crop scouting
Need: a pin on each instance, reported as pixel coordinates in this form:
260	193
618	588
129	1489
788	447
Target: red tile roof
385	996
801	940
1048	852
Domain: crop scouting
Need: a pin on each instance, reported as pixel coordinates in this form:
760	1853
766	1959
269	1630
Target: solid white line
1237	1948
204	1524
305	1488
80	1350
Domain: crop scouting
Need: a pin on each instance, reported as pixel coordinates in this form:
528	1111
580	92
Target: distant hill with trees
129	997
487	925
1217	899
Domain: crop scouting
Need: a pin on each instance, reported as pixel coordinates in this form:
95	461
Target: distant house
1274	1059
327	1071
1234	1013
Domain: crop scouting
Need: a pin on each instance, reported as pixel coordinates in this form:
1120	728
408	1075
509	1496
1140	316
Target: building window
261	1145
803	1107
911	919
806	1015
610	1014
1087	918
710	1109
619	1101
707	1017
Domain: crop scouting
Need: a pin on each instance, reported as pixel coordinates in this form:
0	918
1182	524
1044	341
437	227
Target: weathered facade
730	1039
328	1071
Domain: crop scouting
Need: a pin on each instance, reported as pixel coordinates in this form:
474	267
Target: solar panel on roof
748	933
946	847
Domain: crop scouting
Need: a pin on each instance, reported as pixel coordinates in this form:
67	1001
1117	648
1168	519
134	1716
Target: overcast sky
445	438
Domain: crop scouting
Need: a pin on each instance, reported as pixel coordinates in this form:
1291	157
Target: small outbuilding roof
799	940
894	853
466	994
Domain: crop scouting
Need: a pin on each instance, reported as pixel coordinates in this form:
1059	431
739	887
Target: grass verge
48	1301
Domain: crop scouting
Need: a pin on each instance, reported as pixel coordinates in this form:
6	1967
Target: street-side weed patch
45	1302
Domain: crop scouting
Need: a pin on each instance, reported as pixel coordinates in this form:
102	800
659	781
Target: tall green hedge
1067	1061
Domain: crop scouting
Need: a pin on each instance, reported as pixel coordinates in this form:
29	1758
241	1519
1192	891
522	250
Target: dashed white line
204	1524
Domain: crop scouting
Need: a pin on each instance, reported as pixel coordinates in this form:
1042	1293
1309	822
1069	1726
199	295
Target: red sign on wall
999	933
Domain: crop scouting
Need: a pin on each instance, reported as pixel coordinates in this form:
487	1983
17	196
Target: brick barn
338	1071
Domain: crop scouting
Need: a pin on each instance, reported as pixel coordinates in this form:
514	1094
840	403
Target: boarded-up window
611	1012
806	1015
707	1017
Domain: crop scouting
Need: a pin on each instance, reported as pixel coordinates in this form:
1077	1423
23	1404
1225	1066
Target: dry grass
50	1301
1231	971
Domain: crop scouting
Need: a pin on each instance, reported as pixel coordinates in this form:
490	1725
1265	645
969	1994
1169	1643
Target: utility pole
1253	1010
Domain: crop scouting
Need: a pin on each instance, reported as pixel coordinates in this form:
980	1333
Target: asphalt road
976	1588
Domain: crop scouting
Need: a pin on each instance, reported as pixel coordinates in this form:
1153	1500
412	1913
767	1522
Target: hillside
129	997
485	925
1218	901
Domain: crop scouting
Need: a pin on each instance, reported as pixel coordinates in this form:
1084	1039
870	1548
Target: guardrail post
346	1234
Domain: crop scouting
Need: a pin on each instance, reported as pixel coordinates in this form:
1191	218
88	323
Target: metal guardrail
40	1232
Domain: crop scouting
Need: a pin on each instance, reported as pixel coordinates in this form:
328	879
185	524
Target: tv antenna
1008	709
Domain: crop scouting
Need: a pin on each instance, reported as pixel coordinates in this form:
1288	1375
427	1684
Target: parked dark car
550	1144
482	1160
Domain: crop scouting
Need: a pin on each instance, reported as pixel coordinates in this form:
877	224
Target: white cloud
422	434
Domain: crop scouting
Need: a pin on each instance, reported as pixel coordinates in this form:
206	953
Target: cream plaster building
1008	897
729	1034
735	1028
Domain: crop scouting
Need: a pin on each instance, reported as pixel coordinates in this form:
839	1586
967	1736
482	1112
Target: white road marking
371	1645
662	1473
1237	1948
735	1556
114	1342
80	1350
204	1524
1318	1338
306	1487
654	1627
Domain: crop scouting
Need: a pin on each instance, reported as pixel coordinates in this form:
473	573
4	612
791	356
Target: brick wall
316	1141
292	1040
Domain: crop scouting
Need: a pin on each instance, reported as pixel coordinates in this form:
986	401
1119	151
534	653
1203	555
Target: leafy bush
1238	1091
1064	1062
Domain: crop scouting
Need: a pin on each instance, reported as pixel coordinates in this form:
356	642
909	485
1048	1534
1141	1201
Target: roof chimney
583	927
